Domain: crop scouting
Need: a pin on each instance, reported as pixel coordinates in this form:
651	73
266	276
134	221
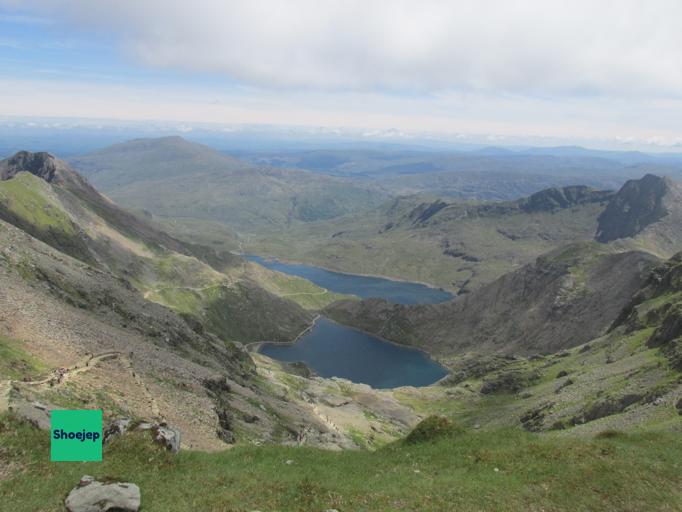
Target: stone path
84	365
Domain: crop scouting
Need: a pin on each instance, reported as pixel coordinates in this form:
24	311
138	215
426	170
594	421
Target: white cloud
529	47
571	69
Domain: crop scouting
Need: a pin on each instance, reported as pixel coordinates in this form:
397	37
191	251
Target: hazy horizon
492	73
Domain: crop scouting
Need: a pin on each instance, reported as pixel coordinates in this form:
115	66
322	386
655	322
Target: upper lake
362	286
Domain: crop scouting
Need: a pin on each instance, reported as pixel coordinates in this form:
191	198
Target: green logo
76	436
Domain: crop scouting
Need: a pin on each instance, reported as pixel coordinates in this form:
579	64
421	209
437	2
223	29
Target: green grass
16	363
183	300
629	472
301	291
31	199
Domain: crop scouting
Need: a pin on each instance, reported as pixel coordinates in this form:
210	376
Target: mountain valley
566	328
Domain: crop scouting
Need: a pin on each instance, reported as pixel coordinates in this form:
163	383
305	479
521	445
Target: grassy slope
180	282
30	203
625	473
606	369
305	293
32	199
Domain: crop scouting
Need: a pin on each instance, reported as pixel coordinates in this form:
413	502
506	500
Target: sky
597	72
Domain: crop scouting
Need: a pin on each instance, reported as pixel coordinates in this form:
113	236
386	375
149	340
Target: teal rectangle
76	435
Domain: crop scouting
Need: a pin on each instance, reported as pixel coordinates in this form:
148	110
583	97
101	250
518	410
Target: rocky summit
640	204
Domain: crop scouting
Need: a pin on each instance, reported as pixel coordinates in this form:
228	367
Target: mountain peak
638	204
41	164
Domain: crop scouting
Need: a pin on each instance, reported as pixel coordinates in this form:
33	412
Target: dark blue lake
333	350
361	286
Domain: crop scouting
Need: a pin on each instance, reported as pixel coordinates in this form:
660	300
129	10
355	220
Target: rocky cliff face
638	205
548	200
42	165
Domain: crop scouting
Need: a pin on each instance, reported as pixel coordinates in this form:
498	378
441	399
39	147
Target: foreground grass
506	470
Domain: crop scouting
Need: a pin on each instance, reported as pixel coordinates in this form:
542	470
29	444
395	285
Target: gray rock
116	428
227	436
93	496
167	436
39	405
35	413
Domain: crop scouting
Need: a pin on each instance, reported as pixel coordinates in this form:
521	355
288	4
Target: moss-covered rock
431	429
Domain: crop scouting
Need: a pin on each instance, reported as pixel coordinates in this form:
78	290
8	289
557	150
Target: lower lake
334	350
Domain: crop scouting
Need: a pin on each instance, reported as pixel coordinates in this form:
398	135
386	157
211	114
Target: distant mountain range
175	178
488	173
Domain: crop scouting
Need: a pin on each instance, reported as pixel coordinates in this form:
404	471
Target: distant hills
173	177
490	173
347	209
461	245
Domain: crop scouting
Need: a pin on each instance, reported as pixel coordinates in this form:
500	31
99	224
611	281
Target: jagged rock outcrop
42	165
167	436
548	200
565	197
163	434
641	204
663	288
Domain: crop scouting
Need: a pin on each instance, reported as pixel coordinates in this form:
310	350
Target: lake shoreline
254	346
452	292
378	337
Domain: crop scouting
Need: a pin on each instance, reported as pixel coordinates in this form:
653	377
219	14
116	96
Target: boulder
227	436
116	428
533	420
93	496
36	413
168	437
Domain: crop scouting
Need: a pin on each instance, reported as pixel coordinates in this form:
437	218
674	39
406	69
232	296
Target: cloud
534	48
